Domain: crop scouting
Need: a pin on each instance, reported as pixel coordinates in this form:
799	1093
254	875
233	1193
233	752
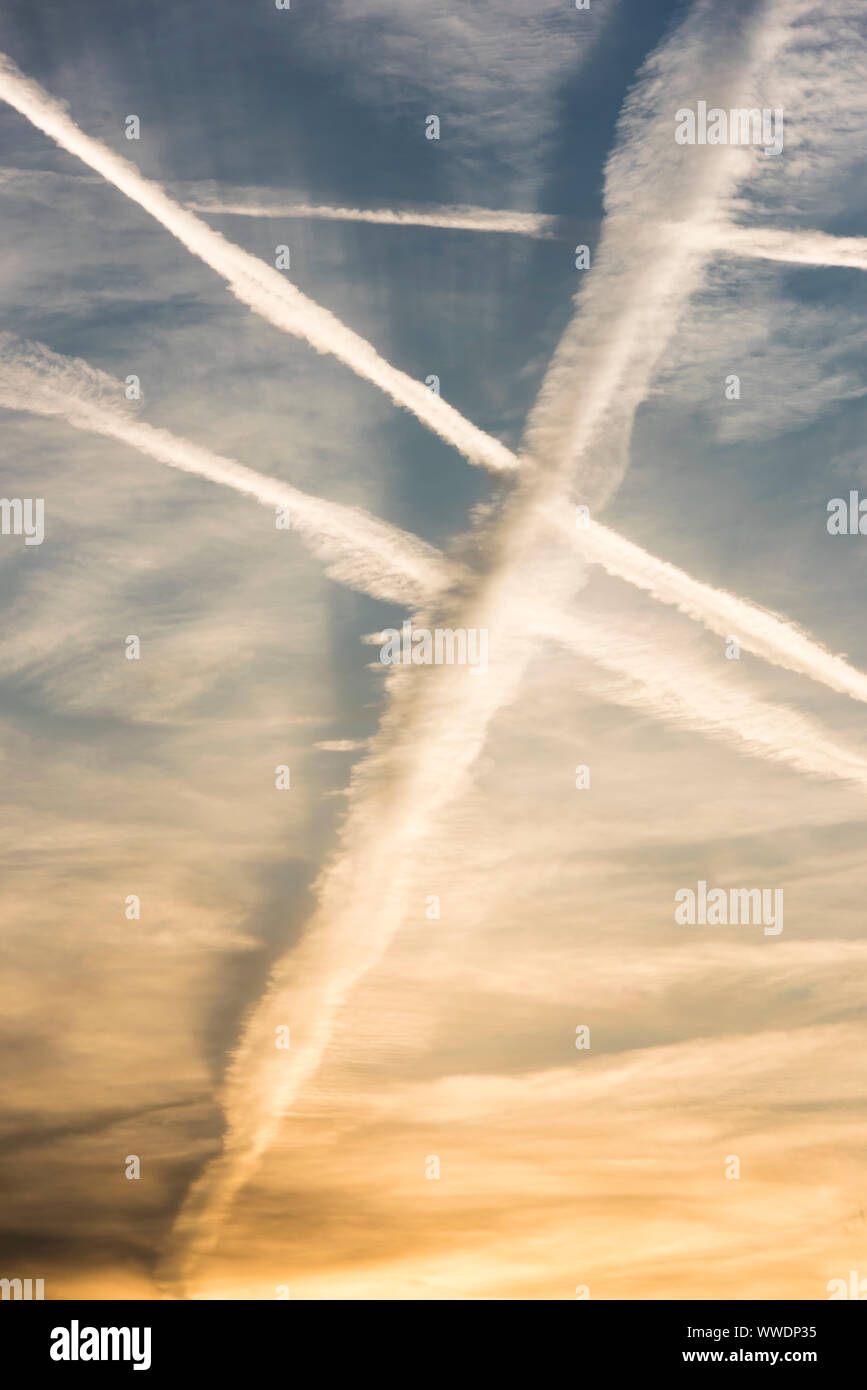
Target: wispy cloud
494	71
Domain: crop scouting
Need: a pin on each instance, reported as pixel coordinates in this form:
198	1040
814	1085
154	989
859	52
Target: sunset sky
468	869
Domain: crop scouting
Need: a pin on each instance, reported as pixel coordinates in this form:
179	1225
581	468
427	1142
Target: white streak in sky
768	635
357	549
801	246
682	690
795	247
804	247
532	224
261	287
644	272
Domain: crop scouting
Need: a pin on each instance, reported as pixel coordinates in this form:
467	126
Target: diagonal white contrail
261	287
685	690
357	549
758	630
644	269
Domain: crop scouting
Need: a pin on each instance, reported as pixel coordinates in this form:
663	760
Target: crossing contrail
399	788
370	555
398	795
265	291
261	287
378	559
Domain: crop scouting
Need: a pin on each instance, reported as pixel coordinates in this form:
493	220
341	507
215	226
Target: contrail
261	287
685	692
644	273
266	292
776	639
397	795
357	549
805	247
541	226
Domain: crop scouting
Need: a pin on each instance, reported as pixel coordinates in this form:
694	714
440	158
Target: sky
514	1069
